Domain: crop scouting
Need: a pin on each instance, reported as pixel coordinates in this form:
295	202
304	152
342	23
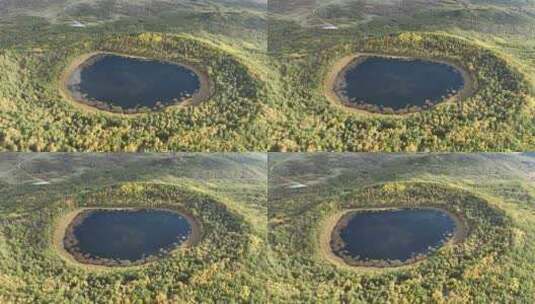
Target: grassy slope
36	21
236	179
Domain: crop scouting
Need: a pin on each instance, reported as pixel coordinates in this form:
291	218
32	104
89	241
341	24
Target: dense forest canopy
492	193
225	193
269	96
245	113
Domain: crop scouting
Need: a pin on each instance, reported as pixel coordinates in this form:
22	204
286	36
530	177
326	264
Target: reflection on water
397	234
130	234
132	82
399	83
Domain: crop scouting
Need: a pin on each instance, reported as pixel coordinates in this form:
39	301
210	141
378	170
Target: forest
226	197
493	264
42	119
497	117
263	222
268	73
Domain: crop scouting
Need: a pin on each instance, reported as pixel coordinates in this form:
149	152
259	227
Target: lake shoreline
335	78
64	231
205	92
331	224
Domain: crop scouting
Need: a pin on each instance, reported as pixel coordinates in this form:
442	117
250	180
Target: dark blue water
398	83
395	234
132	82
130	235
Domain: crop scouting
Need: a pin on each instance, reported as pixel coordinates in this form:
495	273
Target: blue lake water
398	83
130	234
133	82
398	234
